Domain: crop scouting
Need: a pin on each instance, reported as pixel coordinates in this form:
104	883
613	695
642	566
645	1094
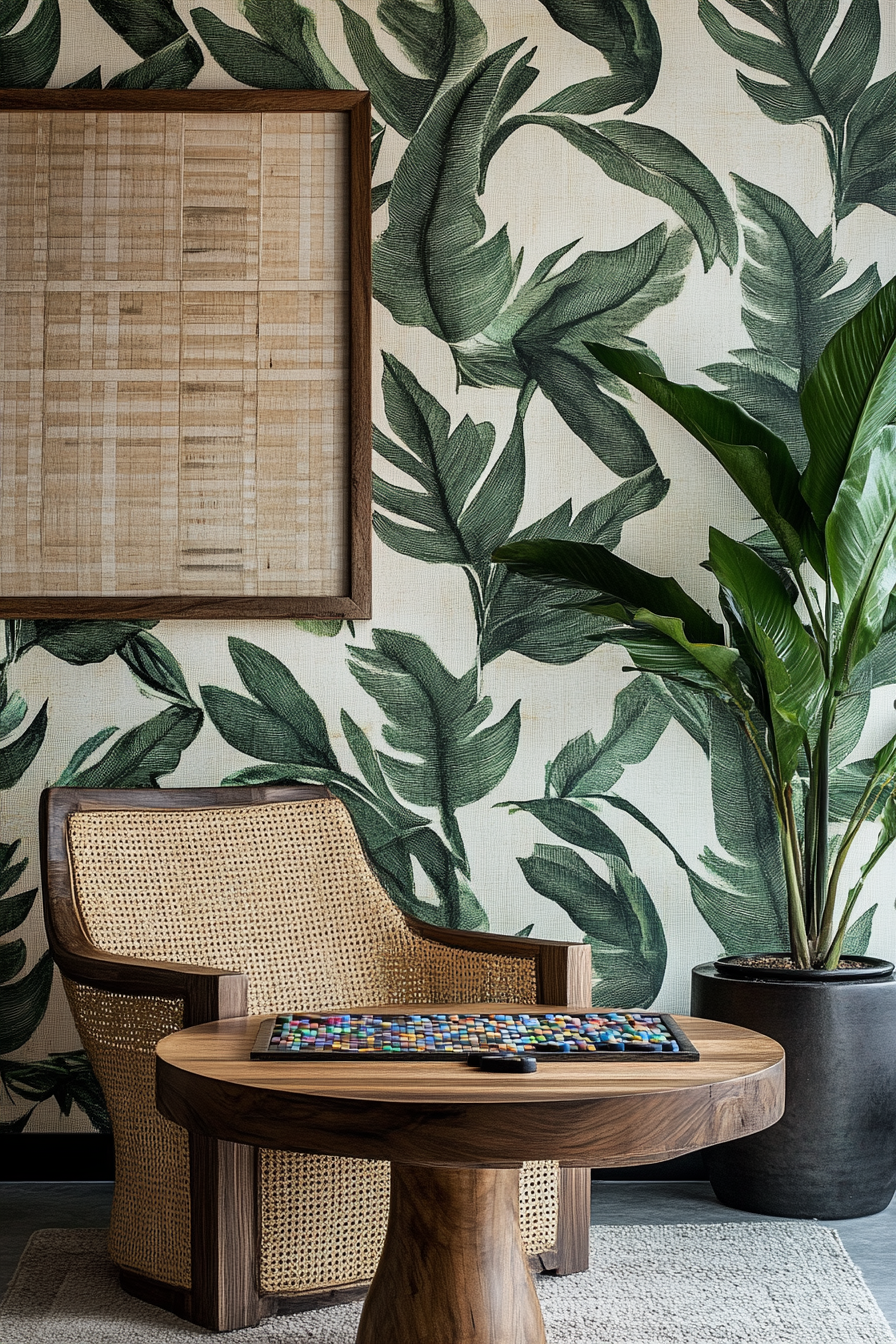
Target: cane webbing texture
301	1252
539	1185
283	892
150	1224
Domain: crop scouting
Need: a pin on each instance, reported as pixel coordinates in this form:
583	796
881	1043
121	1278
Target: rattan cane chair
145	892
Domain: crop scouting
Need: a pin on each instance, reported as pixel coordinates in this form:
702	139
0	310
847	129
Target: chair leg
573	1219
224	1236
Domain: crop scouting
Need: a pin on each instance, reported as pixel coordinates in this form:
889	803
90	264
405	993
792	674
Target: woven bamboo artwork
174	325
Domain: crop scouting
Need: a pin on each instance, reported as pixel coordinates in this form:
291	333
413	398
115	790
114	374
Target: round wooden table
453	1268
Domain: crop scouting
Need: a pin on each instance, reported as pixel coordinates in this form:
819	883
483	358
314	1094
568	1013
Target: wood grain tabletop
605	1112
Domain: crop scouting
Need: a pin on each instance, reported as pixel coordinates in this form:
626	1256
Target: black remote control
502	1063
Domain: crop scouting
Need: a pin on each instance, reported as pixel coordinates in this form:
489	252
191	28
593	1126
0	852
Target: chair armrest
208	992
562	970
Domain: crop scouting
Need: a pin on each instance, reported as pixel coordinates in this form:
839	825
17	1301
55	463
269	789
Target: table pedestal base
453	1268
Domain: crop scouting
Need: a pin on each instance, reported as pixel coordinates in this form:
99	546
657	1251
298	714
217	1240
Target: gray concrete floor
27	1206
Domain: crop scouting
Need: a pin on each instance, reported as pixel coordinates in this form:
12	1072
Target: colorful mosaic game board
608	1035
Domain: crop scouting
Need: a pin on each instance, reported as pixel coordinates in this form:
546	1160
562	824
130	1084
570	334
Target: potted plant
803	605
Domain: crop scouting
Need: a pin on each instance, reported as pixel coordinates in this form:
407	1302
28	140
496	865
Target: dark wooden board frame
356	605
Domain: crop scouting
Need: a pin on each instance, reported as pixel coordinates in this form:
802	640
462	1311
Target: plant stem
819	857
753	739
818	629
865	806
799	945
832	958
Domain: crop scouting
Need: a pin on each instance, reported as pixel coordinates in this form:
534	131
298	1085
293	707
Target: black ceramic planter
833	1154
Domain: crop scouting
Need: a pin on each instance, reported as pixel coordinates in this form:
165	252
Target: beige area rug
729	1283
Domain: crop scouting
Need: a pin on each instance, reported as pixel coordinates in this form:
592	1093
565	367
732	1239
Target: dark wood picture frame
356	602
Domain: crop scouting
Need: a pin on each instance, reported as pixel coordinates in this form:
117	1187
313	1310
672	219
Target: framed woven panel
185	346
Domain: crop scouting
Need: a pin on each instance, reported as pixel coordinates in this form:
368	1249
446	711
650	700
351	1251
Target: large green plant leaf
455	522
849	724
78	642
850	397
759	463
618	918
767	390
443	38
788	655
10	13
14	910
13	713
174	67
393	836
23	1004
18	755
869	158
602	295
541	332
401	836
743	899
625	33
656	164
583	767
92	80
66	1077
10	872
83	753
140	756
793	298
858	935
749	911
659	644
807	84
282	722
880	665
400	99
28	57
521	616
436	718
155	669
431	266
744	913
621	588
146	25
286	54
444	42
12	958
576	824
861	545
848	783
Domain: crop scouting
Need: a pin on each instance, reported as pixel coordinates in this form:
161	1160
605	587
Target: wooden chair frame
224	1236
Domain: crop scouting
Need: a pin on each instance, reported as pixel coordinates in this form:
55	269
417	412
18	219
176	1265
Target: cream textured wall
510	358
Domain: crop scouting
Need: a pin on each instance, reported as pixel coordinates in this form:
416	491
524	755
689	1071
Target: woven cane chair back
283	893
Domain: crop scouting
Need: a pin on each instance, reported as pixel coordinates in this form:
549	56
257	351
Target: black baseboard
91	1157
57	1157
691	1167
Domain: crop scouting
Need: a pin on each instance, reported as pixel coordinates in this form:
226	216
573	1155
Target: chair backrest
281	891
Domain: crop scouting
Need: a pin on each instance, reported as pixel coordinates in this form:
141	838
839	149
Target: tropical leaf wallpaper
714	179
